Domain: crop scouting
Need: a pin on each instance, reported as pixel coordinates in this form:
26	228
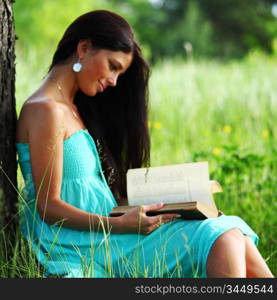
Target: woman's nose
112	79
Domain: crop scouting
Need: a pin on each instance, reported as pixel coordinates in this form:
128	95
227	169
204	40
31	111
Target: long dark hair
116	118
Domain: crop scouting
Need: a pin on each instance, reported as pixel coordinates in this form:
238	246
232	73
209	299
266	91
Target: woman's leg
255	264
227	256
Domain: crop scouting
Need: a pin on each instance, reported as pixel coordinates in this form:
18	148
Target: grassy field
203	110
224	113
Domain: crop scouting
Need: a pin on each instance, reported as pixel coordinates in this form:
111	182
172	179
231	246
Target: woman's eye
113	67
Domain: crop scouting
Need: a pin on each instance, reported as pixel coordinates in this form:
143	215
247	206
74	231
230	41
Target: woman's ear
83	47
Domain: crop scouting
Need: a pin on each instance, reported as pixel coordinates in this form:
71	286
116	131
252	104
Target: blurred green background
213	92
166	28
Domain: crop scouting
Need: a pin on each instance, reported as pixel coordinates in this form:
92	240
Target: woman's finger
154	206
165	217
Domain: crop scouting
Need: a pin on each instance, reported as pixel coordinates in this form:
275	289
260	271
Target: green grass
201	110
224	113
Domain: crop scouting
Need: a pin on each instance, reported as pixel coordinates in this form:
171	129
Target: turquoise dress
176	249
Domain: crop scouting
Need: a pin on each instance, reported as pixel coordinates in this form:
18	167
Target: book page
169	184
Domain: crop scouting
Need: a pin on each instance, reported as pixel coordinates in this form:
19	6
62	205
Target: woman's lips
101	87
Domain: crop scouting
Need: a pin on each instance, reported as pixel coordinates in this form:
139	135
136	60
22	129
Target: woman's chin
90	93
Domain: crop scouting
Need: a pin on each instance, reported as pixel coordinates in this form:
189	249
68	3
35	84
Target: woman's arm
135	221
46	132
46	137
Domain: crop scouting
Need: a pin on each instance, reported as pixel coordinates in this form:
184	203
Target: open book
184	188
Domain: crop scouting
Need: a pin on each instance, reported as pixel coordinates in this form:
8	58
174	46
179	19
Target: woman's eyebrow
119	65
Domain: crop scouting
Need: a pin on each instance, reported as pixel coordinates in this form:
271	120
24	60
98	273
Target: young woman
77	135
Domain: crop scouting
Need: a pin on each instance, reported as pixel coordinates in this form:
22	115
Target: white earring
77	66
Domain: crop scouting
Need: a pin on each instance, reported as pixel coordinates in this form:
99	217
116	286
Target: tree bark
8	117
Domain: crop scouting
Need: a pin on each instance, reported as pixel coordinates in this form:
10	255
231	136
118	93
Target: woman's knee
230	243
233	237
227	256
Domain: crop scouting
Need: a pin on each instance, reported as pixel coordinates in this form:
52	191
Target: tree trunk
8	164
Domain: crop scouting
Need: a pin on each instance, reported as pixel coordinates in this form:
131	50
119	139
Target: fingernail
178	216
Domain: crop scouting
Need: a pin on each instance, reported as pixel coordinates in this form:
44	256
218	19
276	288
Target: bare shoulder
39	114
42	109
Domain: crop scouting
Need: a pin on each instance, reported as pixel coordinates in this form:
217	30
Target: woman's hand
136	220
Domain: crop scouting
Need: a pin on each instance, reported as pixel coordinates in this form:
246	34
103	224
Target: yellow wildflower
227	128
216	151
265	133
157	125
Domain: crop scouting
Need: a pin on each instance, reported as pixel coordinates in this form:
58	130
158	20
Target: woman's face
100	69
